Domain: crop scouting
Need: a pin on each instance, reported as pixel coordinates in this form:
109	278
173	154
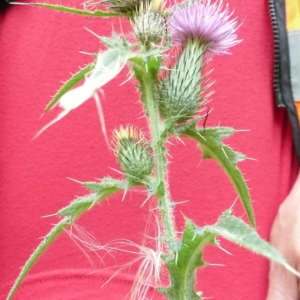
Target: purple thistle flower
207	23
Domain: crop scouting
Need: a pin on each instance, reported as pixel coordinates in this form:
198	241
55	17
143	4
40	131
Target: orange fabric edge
297	104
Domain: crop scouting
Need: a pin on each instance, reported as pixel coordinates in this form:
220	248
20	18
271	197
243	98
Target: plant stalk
160	151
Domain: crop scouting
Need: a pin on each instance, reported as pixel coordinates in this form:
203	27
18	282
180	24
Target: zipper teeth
277	56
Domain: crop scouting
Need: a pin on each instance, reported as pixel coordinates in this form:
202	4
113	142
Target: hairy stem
159	150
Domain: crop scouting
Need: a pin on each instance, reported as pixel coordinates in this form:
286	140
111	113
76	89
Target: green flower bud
133	152
150	27
126	7
179	93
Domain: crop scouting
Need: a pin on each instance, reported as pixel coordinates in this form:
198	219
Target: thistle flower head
149	27
179	93
133	152
204	22
149	22
132	7
127	7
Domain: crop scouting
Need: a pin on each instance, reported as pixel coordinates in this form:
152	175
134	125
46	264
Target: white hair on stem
149	258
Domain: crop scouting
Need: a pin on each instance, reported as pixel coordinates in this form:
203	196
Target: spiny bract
133	152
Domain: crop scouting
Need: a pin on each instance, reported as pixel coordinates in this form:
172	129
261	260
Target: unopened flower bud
179	93
150	27
126	7
133	152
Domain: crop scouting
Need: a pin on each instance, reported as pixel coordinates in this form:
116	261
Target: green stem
159	150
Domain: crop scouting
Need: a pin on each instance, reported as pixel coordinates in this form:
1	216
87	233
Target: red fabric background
38	49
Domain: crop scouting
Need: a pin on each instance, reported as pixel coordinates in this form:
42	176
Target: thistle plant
173	92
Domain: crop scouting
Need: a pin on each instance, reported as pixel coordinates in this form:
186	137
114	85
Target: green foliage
211	145
189	251
71	10
76	78
75	209
115	42
182	266
126	7
107	186
102	190
145	65
235	230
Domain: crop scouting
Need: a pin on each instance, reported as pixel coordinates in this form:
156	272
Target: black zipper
277	58
282	80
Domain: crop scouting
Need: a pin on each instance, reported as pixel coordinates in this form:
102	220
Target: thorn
201	136
155	208
224	152
252	158
217	265
180	140
42	114
83	52
117	171
145	201
49	216
124	195
225	250
200	163
75	180
92	205
125	81
243	130
170	143
93	33
176	203
169	154
233	204
101	117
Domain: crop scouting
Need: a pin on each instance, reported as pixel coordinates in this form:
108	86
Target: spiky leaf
76	78
74	210
188	252
115	41
48	239
238	232
108	65
71	10
107	185
182	266
103	189
211	145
